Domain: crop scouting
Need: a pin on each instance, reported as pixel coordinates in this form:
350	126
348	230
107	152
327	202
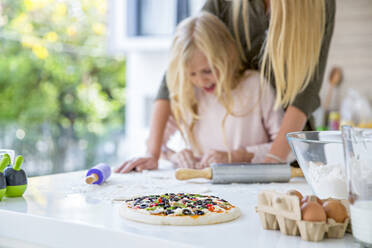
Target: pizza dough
179	209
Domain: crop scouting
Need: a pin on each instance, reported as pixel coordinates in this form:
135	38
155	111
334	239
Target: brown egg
296	193
335	210
313	211
311	198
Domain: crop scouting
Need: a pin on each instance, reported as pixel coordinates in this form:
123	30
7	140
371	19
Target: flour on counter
124	186
328	180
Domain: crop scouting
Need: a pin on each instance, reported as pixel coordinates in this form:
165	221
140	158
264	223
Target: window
158	17
159	10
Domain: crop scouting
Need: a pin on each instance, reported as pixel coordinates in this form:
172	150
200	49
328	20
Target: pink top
255	130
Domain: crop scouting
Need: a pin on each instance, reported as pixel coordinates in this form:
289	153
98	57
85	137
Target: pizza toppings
199	212
180	204
186	212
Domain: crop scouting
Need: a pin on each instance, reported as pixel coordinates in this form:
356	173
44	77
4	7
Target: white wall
144	73
146	59
351	48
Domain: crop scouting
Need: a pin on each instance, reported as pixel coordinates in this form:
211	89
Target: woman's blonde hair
206	33
293	43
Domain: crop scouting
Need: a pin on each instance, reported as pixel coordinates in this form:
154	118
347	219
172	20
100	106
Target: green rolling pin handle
18	163
4	162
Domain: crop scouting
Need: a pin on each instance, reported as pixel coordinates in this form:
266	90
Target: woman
288	41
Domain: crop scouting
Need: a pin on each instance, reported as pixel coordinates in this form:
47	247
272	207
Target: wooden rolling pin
242	173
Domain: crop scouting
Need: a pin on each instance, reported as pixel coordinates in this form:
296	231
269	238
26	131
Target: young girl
223	113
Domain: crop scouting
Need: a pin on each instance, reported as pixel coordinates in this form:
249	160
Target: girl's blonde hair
292	46
204	32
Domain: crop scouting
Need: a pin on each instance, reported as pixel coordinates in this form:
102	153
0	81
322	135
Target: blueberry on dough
199	212
186	212
169	212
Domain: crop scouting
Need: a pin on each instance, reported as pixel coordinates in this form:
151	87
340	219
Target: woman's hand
220	157
184	159
139	164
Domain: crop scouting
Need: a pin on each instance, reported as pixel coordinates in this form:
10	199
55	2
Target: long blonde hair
293	43
204	32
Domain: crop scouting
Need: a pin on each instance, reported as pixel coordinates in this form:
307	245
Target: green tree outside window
61	96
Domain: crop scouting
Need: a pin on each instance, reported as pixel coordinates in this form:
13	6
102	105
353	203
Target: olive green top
308	100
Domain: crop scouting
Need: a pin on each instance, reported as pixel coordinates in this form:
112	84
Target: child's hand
213	156
166	153
138	164
184	159
219	157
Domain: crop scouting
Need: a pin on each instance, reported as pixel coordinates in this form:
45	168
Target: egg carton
279	211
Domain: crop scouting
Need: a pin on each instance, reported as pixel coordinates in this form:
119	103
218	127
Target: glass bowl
321	158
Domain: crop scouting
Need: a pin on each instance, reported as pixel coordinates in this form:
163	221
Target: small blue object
102	173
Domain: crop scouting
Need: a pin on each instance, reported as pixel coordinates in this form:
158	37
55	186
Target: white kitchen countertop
62	211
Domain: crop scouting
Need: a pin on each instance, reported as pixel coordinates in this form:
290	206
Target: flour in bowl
328	180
